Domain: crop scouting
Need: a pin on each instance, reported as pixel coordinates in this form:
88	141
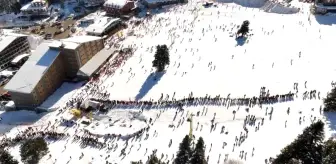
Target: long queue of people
31	133
199	101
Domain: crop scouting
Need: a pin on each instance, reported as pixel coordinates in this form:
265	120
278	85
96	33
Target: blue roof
48	58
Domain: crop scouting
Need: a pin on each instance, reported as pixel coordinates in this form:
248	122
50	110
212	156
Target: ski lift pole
91	116
191	126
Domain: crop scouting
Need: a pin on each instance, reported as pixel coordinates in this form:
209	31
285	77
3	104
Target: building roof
18	58
329	2
116	3
66	45
81	39
33	70
8	38
73	42
31	6
92	3
101	25
95	62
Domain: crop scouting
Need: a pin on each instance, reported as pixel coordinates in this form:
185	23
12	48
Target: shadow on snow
151	80
11	119
331	121
325	20
241	41
247	4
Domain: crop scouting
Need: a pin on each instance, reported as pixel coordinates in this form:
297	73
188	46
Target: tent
77	113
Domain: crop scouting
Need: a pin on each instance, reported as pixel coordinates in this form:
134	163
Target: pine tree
198	156
161	57
329	151
330	101
244	28
6	5
6	158
294	161
306	148
154	160
33	150
184	152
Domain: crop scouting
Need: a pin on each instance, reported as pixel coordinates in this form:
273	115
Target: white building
11	46
36	7
102	26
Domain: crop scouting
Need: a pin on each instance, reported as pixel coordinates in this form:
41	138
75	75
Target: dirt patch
55	30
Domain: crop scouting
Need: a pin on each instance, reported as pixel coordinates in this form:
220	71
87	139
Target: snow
60	96
6	73
247	3
210	64
34	41
31	6
101	25
121	121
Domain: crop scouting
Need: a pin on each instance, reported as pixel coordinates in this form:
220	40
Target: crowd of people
31	133
199	101
97	91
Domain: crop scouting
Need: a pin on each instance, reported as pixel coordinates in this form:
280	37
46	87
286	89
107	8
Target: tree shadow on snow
149	83
325	20
247	4
331	121
241	41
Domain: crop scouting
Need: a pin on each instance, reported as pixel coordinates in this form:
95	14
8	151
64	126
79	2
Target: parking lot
58	30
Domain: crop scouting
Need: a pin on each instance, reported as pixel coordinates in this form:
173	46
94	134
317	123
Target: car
48	36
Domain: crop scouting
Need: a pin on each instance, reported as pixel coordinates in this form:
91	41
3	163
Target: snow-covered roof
116	3
18	58
101	25
32	71
82	39
65	44
95	62
8	38
36	4
73	42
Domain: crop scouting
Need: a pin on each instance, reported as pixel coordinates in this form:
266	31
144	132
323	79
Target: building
159	3
11	46
18	61
325	6
328	2
35	8
93	3
102	26
50	64
91	68
118	7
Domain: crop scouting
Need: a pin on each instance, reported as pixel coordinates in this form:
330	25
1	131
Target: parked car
48	36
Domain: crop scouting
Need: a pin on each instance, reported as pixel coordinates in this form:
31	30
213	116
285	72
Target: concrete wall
50	81
89	49
22	100
71	62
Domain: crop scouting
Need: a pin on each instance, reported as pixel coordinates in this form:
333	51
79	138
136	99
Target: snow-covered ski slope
210	62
